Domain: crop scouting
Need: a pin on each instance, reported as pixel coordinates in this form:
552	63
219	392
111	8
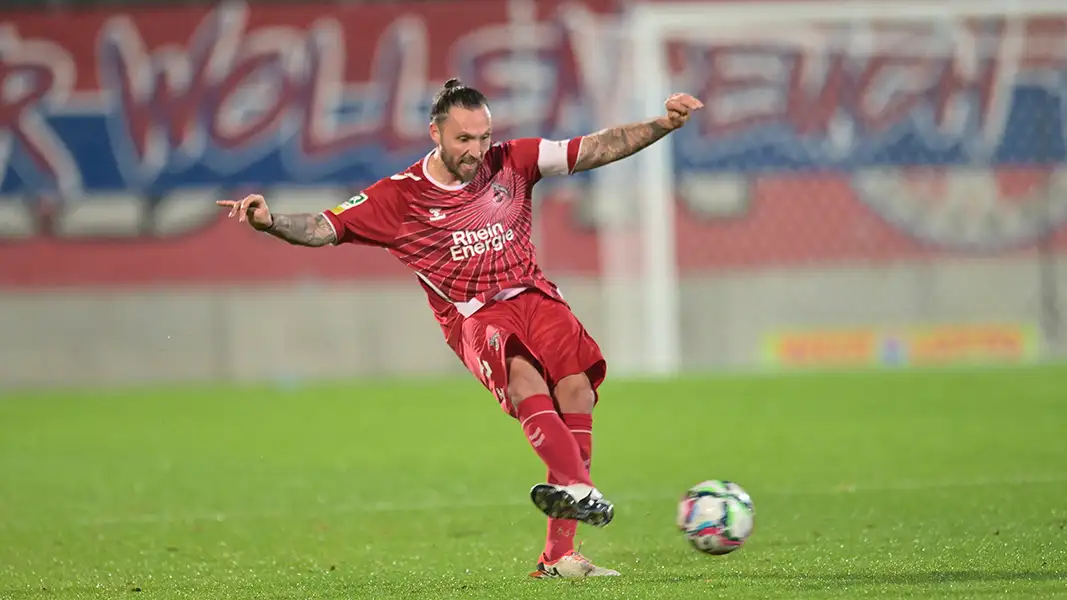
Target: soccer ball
716	516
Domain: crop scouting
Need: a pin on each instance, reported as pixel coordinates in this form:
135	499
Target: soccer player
460	219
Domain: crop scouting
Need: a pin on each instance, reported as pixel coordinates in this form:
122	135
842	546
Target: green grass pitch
934	484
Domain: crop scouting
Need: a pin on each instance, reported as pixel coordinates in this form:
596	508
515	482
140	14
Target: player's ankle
551	555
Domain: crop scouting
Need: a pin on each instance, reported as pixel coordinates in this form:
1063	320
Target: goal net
870	183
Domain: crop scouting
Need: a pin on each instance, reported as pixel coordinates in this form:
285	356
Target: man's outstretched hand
679	108
253	209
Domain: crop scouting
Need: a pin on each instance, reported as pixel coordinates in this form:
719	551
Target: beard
462	168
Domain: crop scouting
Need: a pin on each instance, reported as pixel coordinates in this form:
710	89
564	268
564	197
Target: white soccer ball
716	516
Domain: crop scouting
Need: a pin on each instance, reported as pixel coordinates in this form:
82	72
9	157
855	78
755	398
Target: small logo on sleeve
350	203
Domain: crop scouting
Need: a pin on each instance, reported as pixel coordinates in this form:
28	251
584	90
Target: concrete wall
358	330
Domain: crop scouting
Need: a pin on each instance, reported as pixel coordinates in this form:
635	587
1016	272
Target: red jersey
469	244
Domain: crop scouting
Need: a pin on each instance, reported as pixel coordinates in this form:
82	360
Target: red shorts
532	325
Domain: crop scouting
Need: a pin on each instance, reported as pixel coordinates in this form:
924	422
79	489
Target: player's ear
435	133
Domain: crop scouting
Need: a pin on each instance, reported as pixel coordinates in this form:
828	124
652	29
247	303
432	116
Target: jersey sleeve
537	157
372	218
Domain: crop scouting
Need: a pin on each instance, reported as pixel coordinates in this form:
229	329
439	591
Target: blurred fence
843	201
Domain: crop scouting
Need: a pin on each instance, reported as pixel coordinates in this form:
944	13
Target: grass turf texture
910	484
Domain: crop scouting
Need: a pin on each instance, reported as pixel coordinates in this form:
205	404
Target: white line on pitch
520	500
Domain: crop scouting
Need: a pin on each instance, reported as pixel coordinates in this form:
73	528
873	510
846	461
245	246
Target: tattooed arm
609	145
616	143
302	229
375	223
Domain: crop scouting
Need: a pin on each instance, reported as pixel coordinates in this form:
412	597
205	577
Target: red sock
559	539
552	440
581	426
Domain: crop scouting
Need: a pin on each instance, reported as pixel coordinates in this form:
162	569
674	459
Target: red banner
124	128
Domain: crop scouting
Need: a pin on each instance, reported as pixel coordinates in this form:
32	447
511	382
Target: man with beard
460	218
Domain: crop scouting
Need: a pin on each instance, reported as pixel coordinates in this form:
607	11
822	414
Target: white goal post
648	27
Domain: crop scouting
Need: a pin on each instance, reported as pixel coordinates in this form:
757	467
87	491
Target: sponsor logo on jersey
475	242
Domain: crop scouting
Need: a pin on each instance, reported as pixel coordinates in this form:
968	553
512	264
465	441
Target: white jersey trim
429	177
470	307
433	287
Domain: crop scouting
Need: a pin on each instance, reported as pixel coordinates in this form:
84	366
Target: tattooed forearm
303	230
609	145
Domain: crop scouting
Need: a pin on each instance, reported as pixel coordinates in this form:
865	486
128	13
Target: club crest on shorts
494	341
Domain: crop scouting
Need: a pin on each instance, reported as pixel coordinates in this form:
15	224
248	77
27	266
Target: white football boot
571	565
579	502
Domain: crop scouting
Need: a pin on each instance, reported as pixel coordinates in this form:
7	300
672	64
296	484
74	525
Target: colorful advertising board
939	345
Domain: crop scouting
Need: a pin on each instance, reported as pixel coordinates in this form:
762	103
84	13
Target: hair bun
453	83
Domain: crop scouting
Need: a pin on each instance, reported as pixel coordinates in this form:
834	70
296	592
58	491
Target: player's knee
524	380
574	394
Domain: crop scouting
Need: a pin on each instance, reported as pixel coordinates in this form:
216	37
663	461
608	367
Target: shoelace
578	553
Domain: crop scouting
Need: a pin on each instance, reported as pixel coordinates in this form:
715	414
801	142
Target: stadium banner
932	345
120	129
